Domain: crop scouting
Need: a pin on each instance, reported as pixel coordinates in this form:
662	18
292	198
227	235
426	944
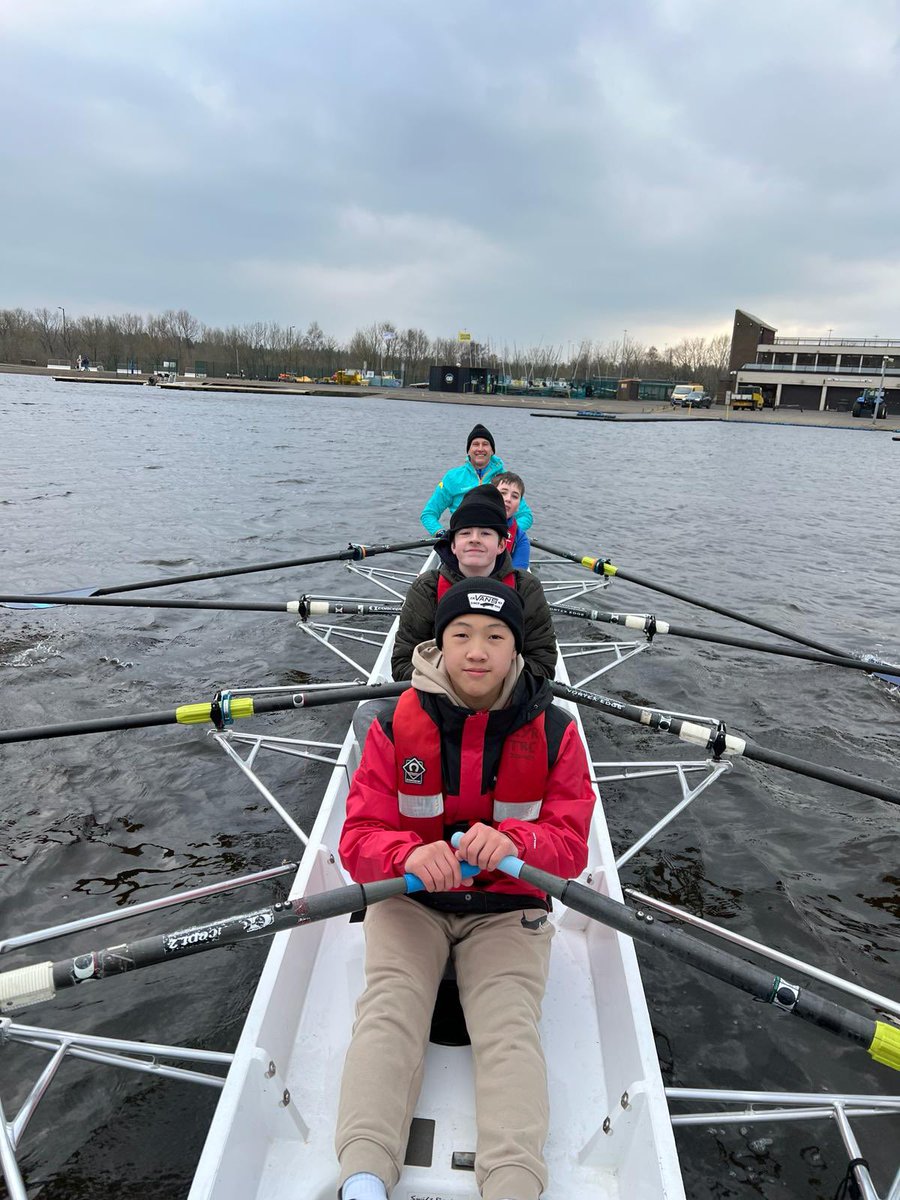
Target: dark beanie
480	431
488	597
483	507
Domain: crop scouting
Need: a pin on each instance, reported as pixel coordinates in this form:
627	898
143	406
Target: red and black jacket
433	768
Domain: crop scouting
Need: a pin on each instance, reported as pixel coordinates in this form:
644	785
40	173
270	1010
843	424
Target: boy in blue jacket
512	488
481	465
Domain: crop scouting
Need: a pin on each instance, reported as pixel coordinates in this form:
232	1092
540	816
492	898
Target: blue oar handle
510	864
415	884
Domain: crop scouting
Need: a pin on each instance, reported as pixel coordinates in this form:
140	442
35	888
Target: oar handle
510	865
415	884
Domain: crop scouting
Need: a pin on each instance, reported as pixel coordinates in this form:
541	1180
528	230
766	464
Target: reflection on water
122	485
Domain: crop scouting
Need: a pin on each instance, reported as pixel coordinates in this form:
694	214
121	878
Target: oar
303	607
602	566
718	741
881	1040
652	625
220	712
352	552
34	984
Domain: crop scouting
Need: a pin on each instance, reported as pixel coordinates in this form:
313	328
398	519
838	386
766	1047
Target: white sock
363	1186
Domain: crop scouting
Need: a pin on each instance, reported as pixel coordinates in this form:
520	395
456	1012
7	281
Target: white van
684	391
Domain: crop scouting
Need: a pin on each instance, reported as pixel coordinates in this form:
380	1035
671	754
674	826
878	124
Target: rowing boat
610	1132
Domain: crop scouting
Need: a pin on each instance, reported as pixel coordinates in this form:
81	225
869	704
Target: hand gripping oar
352	552
602	566
652	626
34	984
718	742
221	711
881	1040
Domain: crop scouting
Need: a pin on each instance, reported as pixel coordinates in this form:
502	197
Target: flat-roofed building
810	372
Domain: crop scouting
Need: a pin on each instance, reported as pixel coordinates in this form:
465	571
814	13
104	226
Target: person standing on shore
481	465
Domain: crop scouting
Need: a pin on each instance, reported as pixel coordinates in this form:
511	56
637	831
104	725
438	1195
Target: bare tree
46	328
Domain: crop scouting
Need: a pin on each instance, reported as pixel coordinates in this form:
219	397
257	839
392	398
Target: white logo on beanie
486	600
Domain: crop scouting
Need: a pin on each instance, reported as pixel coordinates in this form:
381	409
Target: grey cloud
547	168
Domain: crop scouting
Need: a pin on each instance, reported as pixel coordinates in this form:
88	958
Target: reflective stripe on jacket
515	794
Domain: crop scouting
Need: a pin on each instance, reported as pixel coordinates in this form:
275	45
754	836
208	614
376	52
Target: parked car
691	399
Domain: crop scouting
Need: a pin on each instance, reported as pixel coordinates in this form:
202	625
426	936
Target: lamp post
65	335
291	348
884	362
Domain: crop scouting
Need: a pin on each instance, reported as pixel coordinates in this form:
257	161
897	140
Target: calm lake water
110	484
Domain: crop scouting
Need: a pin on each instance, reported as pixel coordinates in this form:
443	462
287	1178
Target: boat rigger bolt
285	1098
607	1126
625	1102
270	1070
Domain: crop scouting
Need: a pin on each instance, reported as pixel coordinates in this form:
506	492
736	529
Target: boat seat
448	1021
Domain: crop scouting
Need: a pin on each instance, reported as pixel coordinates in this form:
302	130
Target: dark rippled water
110	484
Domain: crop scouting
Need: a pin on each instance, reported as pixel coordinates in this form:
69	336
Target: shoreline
632	412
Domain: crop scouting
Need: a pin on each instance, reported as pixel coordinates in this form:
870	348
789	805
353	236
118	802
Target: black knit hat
480	431
488	597
483	507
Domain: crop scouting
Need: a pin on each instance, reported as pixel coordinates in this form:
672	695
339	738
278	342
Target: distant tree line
263	350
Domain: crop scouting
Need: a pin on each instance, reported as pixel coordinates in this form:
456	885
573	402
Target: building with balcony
810	372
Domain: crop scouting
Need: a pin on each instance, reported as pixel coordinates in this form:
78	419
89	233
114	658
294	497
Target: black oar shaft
109	602
757	981
597	565
801	766
730	744
817	656
791	634
203	713
352	552
33	984
643	623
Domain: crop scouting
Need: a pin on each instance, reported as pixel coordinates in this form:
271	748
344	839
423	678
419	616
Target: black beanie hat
480	431
488	597
482	506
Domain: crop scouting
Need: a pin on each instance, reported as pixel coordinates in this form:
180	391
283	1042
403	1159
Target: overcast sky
524	169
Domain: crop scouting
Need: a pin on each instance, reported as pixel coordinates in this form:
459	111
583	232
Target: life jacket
444	584
513	534
425	806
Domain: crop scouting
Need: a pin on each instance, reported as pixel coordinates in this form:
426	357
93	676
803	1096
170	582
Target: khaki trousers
501	969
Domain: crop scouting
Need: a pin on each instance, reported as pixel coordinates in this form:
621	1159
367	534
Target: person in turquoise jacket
481	465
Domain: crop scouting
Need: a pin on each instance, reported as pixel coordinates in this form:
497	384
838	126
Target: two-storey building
810	372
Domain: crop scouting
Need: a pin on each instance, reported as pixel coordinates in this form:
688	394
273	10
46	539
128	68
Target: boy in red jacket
476	745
